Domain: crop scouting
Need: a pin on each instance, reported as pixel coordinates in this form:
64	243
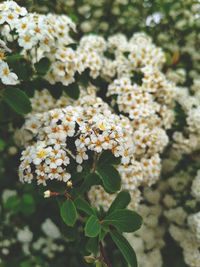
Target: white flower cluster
66	62
35	33
61	136
143	168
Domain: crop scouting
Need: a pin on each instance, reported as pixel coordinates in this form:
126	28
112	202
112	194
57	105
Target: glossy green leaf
121	201
124	220
42	66
125	248
68	212
110	178
89	180
84	206
92	227
107	157
72	90
102	234
92	245
17	100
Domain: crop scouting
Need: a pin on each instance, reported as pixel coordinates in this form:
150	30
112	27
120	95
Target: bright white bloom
7	77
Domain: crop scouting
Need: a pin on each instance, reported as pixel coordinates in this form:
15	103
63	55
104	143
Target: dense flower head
50	155
37	34
140	162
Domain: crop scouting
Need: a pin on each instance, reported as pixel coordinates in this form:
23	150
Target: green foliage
92	245
13	204
125	248
108	158
84	206
92	227
2	145
121	201
17	100
42	66
68	212
24	204
13	58
72	90
124	220
110	178
27	204
89	180
22	67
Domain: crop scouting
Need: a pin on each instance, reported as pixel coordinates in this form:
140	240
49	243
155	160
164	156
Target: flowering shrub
105	127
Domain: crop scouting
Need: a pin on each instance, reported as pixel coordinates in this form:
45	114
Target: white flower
27	41
7	77
50	229
25	235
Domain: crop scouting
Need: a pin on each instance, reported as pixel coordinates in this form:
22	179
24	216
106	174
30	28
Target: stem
96	158
104	255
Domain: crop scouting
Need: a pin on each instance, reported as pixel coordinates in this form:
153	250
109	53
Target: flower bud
89	259
47	194
69	184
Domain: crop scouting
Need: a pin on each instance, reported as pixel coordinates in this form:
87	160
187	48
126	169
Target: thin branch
104	255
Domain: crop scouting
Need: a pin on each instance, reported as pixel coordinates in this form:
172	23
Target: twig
104	255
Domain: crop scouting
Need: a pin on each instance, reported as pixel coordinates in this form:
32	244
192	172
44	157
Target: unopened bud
89	259
69	184
47	194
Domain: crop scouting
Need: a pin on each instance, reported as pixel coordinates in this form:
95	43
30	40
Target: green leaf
72	90
92	245
83	205
84	78
110	178
26	263
102	234
2	145
13	203
89	180
124	220
92	227
17	100
27	204
22	67
68	212
125	248
68	232
107	157
13	58
120	202
42	66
